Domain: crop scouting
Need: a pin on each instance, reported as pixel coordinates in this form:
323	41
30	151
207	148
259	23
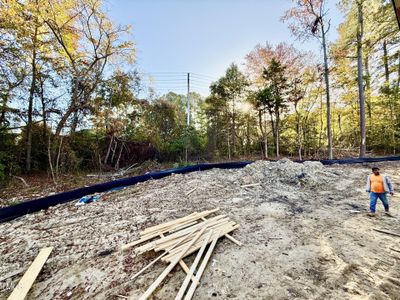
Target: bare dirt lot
303	238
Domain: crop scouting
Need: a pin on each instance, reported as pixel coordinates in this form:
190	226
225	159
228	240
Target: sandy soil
302	239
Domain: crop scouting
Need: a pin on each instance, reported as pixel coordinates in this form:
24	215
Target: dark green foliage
39	146
10	154
84	149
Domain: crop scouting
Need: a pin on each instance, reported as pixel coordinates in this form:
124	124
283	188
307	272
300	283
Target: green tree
309	18
276	93
231	88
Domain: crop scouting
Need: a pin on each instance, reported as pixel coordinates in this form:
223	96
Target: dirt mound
287	172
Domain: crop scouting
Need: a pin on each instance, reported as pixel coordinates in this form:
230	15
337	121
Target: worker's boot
387	213
371	214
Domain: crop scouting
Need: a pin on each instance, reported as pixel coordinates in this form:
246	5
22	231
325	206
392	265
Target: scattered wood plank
160	245
155	260
185	268
193	267
153	232
197	246
387	232
180	238
167	270
179	221
27	280
182	227
191	191
184	232
250	185
202	267
229	237
232	239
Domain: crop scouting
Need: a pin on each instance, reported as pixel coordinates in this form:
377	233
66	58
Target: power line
204	76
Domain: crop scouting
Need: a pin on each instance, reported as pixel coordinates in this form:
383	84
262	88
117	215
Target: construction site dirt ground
303	237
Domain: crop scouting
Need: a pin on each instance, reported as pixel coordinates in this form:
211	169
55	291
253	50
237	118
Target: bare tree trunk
58	157
321	125
233	128
360	29
108	150
248	139
387	85
385	61
266	135
398	72
113	150
75	121
30	105
263	134
298	130
368	89
273	125
50	160
70	110
119	156
63	120
229	146
44	114
212	140
277	133
328	102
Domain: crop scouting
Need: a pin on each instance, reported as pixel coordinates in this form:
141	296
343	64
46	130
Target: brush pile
180	238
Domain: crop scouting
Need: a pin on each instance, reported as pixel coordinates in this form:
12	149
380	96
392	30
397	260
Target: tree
360	79
88	40
231	89
275	96
309	18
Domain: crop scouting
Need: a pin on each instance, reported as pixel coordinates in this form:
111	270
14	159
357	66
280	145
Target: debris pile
180	238
286	172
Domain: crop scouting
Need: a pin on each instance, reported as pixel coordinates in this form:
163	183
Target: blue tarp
15	211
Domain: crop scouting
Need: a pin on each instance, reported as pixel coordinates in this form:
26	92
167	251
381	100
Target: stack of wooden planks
179	238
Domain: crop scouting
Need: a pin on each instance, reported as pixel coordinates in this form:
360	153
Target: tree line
71	99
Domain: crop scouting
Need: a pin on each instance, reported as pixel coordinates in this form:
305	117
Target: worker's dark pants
372	201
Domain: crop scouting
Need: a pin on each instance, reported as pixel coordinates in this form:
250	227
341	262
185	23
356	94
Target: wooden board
168	269
26	282
202	267
217	230
190	218
193	267
157	259
163	245
196	246
152	232
175	235
229	237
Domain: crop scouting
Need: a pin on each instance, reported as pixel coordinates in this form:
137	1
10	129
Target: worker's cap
375	168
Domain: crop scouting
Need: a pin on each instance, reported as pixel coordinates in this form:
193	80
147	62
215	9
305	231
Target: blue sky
202	36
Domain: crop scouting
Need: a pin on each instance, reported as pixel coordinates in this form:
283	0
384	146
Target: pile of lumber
179	238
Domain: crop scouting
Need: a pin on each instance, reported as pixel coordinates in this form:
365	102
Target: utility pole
188	100
187	117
